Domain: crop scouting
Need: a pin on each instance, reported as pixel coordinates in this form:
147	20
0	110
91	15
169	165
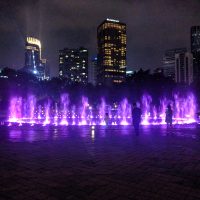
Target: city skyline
164	25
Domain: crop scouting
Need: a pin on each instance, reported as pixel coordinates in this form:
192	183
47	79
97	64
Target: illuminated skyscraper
195	49
73	65
184	68
111	36
92	71
32	54
33	62
169	61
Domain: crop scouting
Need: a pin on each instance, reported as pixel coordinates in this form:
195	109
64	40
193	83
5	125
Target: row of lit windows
108	58
123	42
111	70
110	63
109	76
73	77
114	26
116	51
71	56
117	81
122	66
80	75
114	70
76	68
115	61
106	47
121	37
32	48
108	51
105	63
107	37
122	61
108	54
79	60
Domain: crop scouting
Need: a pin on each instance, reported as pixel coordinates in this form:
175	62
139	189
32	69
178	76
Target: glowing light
34	41
63	113
112	20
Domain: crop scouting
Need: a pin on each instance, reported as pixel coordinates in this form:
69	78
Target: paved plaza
81	163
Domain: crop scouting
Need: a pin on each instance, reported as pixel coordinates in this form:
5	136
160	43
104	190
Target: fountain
62	112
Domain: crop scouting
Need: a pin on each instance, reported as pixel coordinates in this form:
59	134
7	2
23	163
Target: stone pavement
78	163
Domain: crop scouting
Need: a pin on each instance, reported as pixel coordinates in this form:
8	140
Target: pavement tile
154	165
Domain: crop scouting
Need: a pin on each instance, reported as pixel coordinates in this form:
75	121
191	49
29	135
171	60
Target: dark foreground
106	163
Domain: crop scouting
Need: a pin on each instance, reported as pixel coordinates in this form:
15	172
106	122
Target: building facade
184	68
195	49
92	71
33	60
73	65
169	61
111	37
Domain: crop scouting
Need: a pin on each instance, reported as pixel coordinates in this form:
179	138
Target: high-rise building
184	68
32	54
111	36
33	62
73	65
169	62
195	49
46	70
43	71
92	71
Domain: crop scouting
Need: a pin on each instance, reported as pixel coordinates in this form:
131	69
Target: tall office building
195	49
73	65
32	54
46	70
169	62
111	36
33	62
184	68
92	71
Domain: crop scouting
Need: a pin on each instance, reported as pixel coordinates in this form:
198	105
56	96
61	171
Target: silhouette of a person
106	119
136	117
169	114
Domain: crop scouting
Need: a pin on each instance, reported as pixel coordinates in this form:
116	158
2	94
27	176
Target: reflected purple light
63	113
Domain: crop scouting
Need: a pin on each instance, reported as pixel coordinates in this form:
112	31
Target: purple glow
64	105
146	108
47	114
125	112
102	112
31	108
15	110
64	113
83	115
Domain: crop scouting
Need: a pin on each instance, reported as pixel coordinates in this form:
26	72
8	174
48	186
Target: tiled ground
107	163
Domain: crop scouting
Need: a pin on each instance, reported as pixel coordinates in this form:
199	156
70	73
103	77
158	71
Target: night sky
152	27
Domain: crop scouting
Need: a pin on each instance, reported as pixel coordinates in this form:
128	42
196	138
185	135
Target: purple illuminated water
64	112
64	107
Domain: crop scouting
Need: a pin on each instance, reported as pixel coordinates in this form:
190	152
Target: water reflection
93	133
90	133
15	135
